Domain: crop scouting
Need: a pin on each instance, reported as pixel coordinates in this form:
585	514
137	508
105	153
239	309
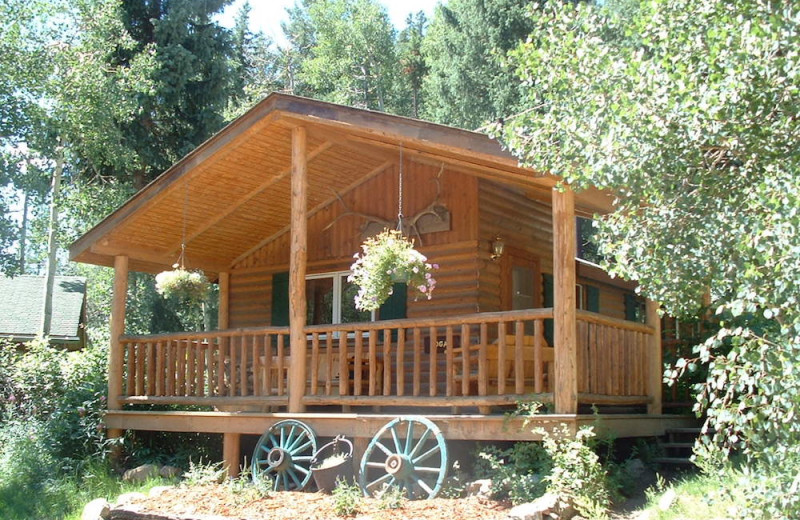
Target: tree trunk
23	234
52	245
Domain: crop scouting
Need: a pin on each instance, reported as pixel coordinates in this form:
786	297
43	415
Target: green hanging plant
185	285
386	259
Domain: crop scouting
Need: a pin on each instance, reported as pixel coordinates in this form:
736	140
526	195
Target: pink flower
422	288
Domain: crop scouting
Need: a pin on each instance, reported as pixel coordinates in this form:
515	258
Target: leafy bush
347	498
576	470
517	472
51	432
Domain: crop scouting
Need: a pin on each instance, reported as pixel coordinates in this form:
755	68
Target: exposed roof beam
314	211
253	193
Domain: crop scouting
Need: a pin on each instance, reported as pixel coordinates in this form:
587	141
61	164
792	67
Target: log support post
655	369
564	308
297	271
115	354
224	299
231	451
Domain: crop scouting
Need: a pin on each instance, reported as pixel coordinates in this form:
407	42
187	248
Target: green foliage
469	82
392	498
684	109
346	53
51	432
576	470
517	472
202	474
347	498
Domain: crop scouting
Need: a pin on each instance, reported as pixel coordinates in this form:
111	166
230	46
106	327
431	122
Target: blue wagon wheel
284	454
408	453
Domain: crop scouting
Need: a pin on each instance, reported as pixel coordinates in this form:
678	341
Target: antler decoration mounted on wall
434	217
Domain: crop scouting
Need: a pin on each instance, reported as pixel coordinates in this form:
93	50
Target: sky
267	15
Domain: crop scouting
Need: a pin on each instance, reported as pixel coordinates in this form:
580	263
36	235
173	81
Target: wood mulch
222	502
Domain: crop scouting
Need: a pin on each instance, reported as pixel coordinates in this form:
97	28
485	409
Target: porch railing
475	360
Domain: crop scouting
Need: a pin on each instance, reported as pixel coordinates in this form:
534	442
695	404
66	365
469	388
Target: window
330	299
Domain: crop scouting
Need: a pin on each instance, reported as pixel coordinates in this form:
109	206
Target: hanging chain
400	193
182	258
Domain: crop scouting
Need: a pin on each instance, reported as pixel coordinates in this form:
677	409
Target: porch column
564	315
223	315
655	370
115	354
231	451
298	256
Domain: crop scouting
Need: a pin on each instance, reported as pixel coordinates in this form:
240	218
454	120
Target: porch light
498	245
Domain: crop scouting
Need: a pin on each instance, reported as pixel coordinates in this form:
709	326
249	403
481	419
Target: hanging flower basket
386	259
182	284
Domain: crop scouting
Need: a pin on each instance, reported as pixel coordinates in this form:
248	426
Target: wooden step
697	430
688	445
674	460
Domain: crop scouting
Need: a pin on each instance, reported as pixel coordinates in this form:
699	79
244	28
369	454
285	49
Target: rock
480	488
127	498
97	509
547	506
170	472
141	474
159	490
667	499
527	511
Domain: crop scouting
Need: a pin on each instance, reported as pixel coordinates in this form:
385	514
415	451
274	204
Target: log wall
334	236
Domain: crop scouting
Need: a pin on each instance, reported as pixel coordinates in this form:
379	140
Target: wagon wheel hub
279	459
399	466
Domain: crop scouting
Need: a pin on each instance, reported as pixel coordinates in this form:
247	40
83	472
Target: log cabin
273	208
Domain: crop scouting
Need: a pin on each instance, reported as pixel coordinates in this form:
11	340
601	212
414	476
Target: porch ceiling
232	193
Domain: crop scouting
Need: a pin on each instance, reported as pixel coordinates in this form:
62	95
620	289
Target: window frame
338	294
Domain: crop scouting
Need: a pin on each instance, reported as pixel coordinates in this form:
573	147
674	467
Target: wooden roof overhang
232	193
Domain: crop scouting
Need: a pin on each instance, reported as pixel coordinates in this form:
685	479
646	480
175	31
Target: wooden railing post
115	354
224	299
297	272
564	309
654	360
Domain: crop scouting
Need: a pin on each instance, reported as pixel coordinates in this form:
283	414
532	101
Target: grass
65	497
697	497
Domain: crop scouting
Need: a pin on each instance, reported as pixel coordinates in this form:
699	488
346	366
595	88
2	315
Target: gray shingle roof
22	299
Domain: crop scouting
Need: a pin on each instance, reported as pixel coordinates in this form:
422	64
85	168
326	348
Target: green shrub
576	471
347	498
517	472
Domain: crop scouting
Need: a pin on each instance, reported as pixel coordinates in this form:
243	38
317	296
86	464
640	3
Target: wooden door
520	280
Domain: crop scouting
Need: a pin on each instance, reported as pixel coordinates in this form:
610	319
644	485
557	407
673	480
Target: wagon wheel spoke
284	453
380	480
428	454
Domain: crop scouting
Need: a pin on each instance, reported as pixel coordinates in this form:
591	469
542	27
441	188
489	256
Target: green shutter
592	298
280	299
394	308
549	300
631	305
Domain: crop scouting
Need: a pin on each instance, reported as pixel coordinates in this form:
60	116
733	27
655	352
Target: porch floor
497	427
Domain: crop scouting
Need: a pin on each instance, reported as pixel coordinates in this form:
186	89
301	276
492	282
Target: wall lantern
497	248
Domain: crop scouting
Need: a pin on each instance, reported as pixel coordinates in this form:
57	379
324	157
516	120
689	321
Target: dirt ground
223	501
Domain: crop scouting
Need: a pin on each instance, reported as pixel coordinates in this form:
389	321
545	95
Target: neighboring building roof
22	302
